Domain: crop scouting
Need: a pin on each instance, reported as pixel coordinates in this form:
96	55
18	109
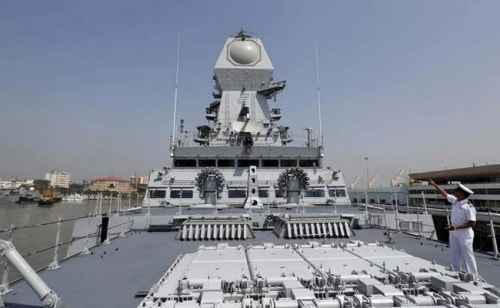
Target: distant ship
243	157
73	198
47	198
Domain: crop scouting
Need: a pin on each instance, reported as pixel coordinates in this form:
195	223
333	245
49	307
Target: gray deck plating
114	273
311	275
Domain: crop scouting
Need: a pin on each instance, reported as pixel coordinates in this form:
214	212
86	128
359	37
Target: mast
172	144
318	94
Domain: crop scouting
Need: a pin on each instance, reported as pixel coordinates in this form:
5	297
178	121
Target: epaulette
470	204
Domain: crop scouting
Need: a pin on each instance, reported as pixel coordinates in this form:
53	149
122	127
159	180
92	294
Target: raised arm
438	188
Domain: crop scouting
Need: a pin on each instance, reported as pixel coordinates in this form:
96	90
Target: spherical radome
244	52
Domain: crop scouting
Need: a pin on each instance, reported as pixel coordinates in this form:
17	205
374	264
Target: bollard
55	264
4	287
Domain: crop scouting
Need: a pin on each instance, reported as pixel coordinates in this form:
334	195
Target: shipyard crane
395	181
372	181
354	182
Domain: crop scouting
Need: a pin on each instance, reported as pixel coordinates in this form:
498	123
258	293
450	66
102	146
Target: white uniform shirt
461	211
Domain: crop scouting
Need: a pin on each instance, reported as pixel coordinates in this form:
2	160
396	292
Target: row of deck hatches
313	275
312	226
240	228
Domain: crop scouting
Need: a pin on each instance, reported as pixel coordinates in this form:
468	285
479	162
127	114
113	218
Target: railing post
385	219
85	250
425	204
493	238
4	287
418	223
396	211
55	264
122	233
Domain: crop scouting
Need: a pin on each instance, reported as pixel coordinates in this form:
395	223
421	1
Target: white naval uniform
461	239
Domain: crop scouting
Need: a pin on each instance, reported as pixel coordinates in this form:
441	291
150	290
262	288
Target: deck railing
53	239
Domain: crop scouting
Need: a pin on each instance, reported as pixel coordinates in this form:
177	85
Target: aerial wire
175	95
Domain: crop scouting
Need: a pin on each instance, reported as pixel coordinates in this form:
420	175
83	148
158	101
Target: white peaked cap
465	189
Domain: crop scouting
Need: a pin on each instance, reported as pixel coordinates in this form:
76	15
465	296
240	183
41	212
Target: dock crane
372	181
395	181
354	182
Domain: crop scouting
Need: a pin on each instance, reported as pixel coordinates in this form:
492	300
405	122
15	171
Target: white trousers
461	250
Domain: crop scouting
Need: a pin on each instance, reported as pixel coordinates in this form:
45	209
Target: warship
243	157
245	220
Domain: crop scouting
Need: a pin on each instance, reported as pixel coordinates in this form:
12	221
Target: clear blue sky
88	86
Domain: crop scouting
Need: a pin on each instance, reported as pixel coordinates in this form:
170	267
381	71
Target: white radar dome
244	52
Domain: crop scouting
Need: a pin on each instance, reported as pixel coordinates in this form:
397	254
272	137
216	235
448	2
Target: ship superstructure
243	156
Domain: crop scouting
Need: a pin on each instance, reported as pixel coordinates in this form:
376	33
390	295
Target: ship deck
113	274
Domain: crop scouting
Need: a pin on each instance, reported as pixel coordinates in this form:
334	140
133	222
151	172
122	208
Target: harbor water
33	228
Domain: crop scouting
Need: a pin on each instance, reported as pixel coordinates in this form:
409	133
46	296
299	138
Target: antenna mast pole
175	95
318	94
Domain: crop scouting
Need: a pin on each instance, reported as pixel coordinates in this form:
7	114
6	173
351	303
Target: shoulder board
470	204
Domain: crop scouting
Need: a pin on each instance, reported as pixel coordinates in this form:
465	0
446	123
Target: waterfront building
483	180
58	178
380	195
111	184
14	184
139	180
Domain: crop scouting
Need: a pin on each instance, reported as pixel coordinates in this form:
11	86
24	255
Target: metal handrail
42	224
4	283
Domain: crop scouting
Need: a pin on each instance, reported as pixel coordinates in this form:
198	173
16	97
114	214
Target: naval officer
463	219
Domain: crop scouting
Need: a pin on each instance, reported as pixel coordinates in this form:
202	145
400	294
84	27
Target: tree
41	185
75	188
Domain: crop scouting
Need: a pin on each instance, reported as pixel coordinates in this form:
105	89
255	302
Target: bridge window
270	163
185	163
308	163
157	194
314	193
248	162
263	193
279	193
288	163
337	193
237	193
206	163
225	163
186	194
